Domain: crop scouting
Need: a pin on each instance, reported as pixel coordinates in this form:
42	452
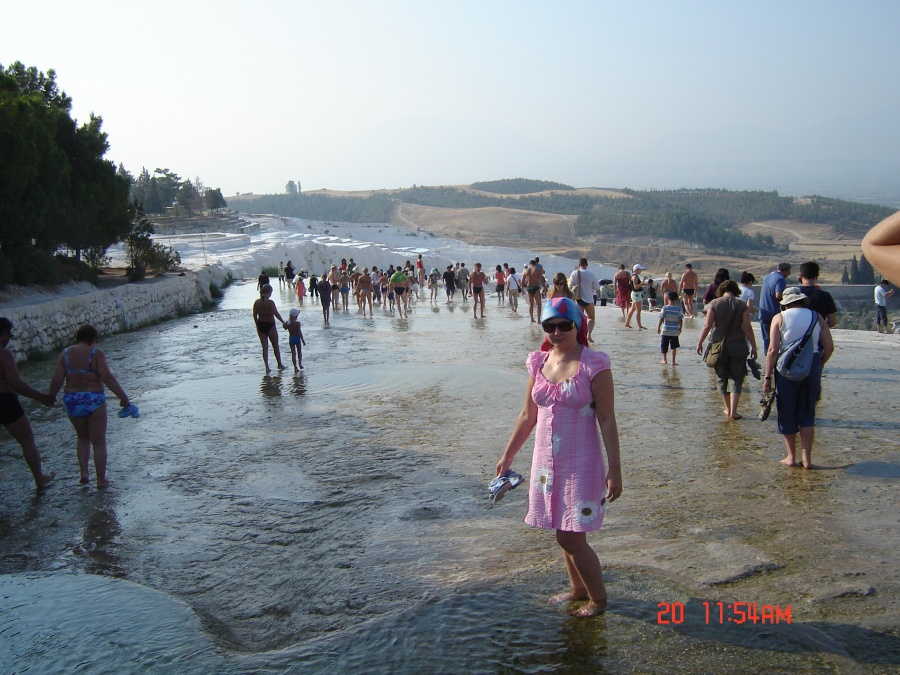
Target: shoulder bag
715	349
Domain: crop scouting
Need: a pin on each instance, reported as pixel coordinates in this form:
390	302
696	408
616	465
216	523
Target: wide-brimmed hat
792	295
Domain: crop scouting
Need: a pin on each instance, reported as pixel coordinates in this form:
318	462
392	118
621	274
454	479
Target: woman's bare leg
273	338
586	566
264	341
96	425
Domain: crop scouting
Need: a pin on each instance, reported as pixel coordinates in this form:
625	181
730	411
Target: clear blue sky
798	96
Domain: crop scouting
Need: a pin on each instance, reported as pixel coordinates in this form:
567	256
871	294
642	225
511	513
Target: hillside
660	228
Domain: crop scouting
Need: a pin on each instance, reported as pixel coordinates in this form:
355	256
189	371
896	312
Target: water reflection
270	386
100	540
298	385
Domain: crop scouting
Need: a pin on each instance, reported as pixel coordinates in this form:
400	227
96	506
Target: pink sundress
568	474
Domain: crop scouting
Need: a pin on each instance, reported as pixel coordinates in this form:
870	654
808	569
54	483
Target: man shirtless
688	289
477	280
533	281
12	416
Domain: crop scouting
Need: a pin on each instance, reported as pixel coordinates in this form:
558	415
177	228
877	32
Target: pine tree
866	271
854	271
845	277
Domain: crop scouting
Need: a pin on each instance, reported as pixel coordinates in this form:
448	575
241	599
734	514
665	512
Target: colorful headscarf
564	308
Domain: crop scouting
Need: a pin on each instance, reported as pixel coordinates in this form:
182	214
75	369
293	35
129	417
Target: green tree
845	277
142	254
866	271
854	272
56	190
290	188
214	200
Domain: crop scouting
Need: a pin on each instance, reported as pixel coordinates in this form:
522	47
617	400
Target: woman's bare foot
567	596
45	479
102	483
664	362
737	416
85	479
673	362
627	326
591	609
726	412
788	461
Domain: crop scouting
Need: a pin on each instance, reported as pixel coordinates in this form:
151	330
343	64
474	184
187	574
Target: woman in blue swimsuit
85	372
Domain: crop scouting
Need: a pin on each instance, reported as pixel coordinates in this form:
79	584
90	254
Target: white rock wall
51	324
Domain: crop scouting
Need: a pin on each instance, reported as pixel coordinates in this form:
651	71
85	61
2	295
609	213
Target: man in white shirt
585	286
881	295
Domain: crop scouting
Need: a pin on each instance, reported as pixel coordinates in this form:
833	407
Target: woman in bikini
85	372
264	313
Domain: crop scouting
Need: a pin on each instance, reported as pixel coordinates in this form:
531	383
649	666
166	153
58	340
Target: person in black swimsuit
264	313
12	416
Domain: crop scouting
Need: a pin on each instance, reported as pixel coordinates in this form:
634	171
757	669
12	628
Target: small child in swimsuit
295	338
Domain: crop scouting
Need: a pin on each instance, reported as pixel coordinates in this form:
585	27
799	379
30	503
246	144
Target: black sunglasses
564	326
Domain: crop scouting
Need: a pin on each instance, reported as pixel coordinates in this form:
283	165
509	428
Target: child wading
671	320
295	338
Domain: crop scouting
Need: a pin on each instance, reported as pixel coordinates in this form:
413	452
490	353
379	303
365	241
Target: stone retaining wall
51	324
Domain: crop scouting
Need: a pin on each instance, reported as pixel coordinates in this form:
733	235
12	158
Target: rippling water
336	519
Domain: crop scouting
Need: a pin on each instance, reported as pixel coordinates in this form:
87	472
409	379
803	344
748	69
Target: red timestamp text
726	612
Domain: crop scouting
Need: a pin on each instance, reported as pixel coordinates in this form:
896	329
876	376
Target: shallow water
336	518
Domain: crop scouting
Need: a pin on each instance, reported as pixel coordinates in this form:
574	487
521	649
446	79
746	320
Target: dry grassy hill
553	233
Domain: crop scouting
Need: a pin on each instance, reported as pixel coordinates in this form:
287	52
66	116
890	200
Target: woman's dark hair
5	324
747	278
87	334
728	286
721	275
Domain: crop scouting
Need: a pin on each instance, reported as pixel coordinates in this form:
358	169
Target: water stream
335	519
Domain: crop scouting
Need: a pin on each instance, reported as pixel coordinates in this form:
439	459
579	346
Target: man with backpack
800	332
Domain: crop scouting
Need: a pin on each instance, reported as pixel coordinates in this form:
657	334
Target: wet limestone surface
337	517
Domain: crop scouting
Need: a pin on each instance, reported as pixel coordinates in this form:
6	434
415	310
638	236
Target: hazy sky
793	95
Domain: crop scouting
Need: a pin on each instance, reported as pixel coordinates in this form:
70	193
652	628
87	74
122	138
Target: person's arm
826	340
15	382
662	316
604	403
275	312
524	424
774	348
881	246
707	327
748	331
59	378
302	339
109	379
831	320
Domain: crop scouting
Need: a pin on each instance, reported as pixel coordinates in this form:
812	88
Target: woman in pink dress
569	392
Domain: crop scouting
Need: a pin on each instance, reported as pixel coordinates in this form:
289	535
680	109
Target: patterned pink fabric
568	475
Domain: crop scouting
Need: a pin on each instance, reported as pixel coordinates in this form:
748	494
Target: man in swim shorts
533	281
12	416
477	280
688	289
